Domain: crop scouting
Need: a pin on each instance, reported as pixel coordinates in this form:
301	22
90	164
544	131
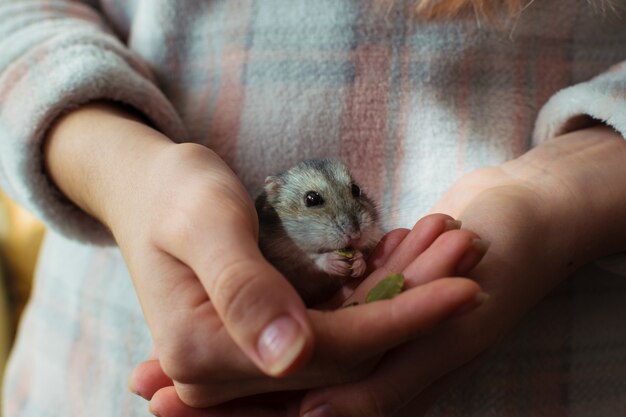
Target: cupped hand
190	243
349	341
188	232
545	214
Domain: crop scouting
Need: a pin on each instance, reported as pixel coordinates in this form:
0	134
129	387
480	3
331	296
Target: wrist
547	212
577	177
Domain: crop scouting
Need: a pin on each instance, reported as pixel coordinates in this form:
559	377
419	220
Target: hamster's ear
272	186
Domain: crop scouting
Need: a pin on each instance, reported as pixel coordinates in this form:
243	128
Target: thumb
147	378
259	308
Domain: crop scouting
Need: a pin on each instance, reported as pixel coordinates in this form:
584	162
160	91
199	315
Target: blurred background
20	239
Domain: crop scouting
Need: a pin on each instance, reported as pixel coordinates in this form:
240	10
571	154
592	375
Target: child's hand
192	250
349	341
188	232
545	214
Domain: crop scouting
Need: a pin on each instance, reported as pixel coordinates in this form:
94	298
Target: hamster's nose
354	236
349	227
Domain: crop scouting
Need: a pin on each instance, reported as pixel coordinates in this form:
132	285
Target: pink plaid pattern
408	105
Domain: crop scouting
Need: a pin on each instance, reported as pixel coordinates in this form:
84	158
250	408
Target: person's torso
408	105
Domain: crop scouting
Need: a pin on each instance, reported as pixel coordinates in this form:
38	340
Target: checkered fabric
409	105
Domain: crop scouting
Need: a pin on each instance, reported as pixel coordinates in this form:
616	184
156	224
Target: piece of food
386	289
346	253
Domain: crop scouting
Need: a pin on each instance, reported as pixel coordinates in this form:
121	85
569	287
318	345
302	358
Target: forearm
580	176
96	155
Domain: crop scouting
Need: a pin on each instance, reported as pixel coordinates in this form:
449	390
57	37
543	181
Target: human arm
593	161
545	214
62	65
186	228
111	170
55	57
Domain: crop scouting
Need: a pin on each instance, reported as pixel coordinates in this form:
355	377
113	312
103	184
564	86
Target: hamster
306	215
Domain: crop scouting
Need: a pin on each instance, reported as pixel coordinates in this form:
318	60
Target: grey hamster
306	214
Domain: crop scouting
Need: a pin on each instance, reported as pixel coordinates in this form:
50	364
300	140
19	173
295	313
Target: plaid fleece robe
410	106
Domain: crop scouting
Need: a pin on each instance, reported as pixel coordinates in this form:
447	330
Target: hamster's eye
313	198
356	191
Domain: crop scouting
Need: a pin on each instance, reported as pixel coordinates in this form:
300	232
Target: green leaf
387	288
346	253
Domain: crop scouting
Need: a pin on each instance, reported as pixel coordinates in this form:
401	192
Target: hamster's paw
333	263
358	265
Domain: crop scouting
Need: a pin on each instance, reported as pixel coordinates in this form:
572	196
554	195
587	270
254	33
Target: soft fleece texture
56	56
410	106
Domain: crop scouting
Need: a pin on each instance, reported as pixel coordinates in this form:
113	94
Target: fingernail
452	224
472	257
151	411
131	385
132	389
280	344
323	410
476	302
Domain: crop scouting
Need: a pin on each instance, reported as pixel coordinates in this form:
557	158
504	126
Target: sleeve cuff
602	98
74	72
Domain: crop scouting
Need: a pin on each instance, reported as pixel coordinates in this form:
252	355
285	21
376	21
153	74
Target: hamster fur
306	214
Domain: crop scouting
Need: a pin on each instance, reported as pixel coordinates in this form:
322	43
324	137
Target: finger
385	248
375	261
193	345
454	253
394	251
177	310
349	339
353	334
147	378
259	308
412	251
423	234
166	403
